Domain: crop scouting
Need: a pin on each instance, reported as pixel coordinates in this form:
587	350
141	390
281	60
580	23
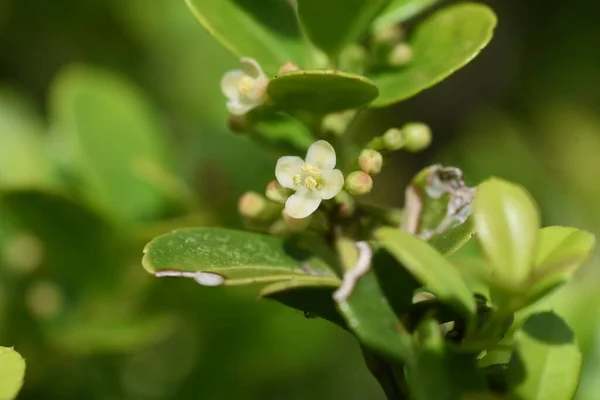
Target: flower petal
333	182
252	68
285	170
303	203
230	82
322	155
236	107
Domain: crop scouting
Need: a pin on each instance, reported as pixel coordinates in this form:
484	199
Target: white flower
245	88
313	180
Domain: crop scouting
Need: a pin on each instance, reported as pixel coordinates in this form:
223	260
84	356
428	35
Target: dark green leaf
429	267
333	24
442	44
547	360
216	256
321	91
398	11
116	146
507	221
265	30
12	372
312	297
439	373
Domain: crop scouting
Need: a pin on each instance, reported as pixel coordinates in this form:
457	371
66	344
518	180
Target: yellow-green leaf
12	372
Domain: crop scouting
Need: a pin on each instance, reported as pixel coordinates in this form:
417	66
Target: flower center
246	85
310	177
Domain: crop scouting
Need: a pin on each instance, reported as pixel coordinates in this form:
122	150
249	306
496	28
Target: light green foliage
12	372
398	11
115	145
321	91
547	360
332	24
442	44
266	31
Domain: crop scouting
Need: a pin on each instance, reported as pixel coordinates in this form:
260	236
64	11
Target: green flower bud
255	206
288	67
353	59
393	139
295	224
417	136
370	161
359	183
390	35
277	193
400	55
336	123
347	204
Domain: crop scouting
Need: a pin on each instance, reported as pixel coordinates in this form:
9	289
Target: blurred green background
113	130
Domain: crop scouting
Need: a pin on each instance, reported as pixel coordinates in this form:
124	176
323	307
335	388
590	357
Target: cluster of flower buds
413	137
389	48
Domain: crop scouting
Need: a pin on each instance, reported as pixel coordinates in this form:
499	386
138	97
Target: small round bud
393	139
277	193
353	59
295	224
252	205
44	299
336	123
389	34
239	123
319	59
347	204
400	55
359	183
370	161
288	67
417	136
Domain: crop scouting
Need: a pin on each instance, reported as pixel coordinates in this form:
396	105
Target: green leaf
283	131
439	373
547	360
438	204
442	44
398	11
332	24
265	30
507	223
368	314
321	91
561	251
24	161
116	146
216	256
312	297
429	267
12	373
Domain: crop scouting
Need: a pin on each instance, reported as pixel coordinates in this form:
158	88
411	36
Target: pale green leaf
429	267
398	11
442	44
546	362
12	373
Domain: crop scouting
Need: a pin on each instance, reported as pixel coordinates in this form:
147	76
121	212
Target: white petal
333	182
235	107
285	170
252	68
230	82
303	203
322	155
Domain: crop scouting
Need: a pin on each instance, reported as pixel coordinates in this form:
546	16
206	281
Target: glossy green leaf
442	44
547	360
216	256
398	11
439	373
429	267
332	24
265	30
311	297
321	91
561	251
24	161
116	145
507	223
12	373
